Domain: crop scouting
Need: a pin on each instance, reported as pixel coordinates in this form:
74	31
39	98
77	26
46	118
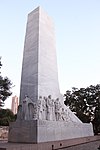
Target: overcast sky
77	29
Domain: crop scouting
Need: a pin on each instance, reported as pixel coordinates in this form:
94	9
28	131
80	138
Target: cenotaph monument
42	115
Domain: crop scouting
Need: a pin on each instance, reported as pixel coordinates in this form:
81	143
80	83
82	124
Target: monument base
37	131
84	143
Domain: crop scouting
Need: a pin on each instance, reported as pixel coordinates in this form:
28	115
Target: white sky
77	29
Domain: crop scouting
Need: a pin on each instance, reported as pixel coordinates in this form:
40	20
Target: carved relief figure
35	111
27	110
19	113
53	110
44	109
57	109
63	115
49	108
67	117
40	108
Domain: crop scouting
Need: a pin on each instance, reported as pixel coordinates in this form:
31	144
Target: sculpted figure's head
45	98
40	97
26	96
57	99
49	96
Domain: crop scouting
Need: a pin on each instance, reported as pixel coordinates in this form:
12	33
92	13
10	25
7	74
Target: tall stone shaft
48	120
39	68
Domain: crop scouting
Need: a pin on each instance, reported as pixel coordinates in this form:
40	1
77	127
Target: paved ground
87	146
94	145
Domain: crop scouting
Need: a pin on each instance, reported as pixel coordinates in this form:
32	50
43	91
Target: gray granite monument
42	115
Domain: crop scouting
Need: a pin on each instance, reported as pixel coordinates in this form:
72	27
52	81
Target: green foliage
6	116
85	102
5	86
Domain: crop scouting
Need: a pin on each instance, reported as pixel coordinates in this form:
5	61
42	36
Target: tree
85	103
5	86
6	116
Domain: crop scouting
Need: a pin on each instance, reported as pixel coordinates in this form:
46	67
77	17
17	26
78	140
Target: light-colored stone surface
86	143
86	146
55	131
40	78
45	109
47	69
39	69
38	131
29	78
23	132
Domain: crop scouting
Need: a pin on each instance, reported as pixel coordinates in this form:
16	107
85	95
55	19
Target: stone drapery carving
44	114
49	108
19	112
63	115
57	109
53	109
40	107
46	108
27	110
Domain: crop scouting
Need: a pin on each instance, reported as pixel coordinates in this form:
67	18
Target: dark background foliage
85	103
5	86
6	116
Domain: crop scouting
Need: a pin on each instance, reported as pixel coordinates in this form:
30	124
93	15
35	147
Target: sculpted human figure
44	109
53	110
67	117
57	109
25	110
40	107
19	113
35	111
49	108
28	109
63	115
